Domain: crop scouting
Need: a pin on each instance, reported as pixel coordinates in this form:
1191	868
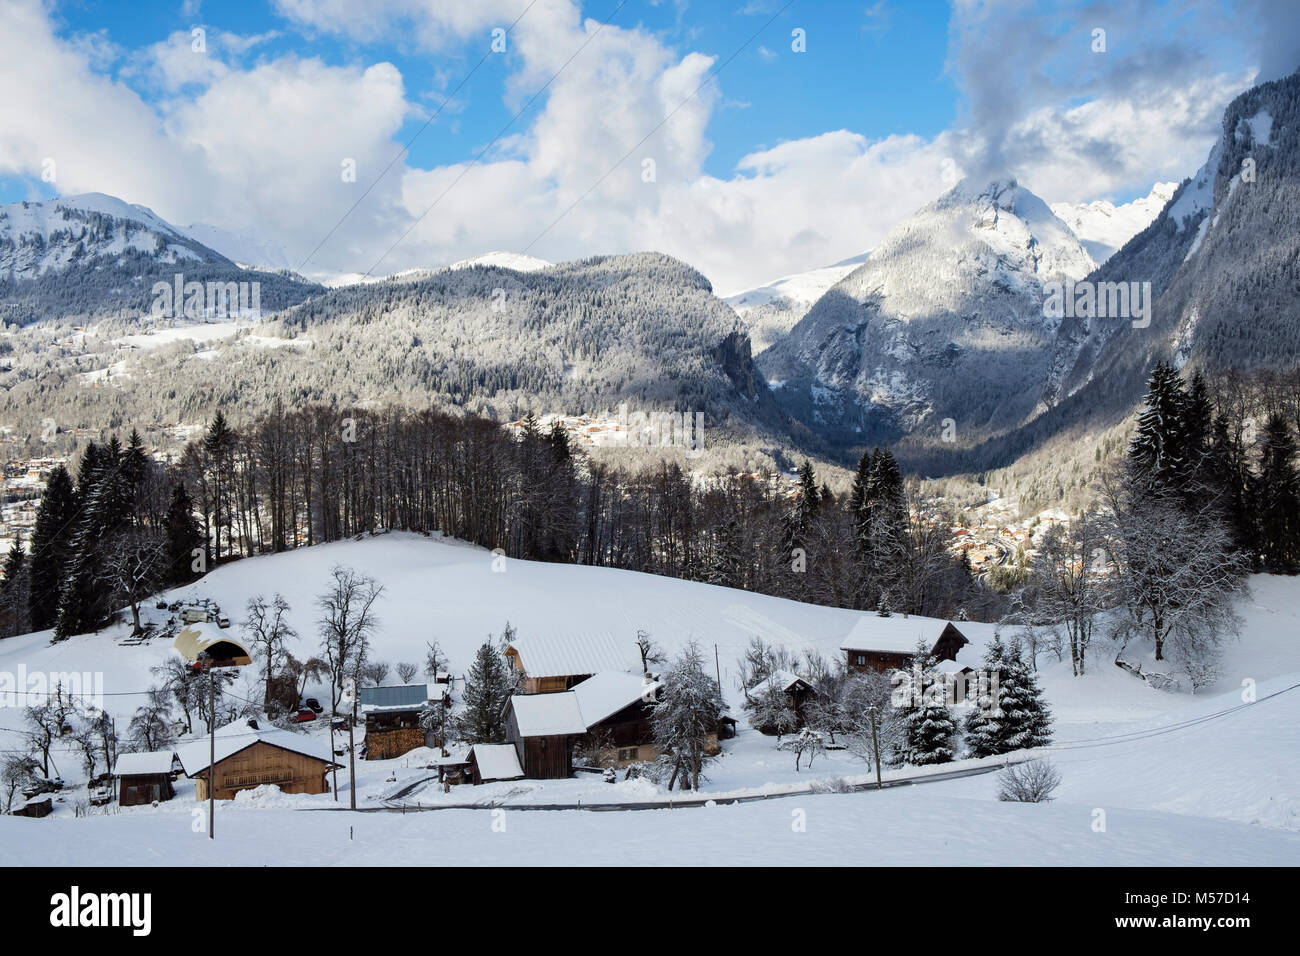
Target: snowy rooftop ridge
568	653
150	762
896	634
576	711
240	735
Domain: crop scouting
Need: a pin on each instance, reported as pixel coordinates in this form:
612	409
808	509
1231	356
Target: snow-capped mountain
770	311
244	246
1103	227
944	320
504	260
41	237
94	254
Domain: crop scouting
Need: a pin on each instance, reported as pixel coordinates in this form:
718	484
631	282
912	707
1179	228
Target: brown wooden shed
144	778
248	756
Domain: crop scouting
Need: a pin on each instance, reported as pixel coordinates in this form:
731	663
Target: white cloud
260	146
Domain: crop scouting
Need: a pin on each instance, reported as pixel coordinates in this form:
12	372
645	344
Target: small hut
144	778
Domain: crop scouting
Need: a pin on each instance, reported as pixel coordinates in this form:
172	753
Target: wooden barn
144	778
248	756
616	708
489	762
35	807
887	643
558	662
223	651
541	727
393	717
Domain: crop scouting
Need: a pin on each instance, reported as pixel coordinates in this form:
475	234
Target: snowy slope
1182	780
41	237
770	311
944	320
244	246
1103	227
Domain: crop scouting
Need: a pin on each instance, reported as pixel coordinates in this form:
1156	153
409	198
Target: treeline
131	525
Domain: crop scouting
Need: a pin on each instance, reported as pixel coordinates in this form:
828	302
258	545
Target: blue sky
789	160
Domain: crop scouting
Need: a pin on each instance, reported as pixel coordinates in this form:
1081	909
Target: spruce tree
487	688
1026	721
13	592
928	724
1277	496
51	541
184	537
982	721
1157	455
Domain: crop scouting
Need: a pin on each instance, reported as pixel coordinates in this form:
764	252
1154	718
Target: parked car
223	621
161	605
304	715
313	704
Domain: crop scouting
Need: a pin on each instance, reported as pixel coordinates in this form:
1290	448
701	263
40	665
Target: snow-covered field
1149	777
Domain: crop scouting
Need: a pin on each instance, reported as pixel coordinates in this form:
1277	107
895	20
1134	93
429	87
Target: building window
862	660
627	753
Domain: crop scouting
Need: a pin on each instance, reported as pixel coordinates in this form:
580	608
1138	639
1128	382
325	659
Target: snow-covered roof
896	634
544	715
605	694
496	761
560	655
399	697
152	762
239	735
784	680
198	637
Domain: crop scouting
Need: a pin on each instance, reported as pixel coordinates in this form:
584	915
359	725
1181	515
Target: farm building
540	727
248	756
607	715
616	708
887	643
558	662
223	651
36	807
489	762
144	778
393	717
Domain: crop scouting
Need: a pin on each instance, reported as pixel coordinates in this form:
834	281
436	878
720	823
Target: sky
750	138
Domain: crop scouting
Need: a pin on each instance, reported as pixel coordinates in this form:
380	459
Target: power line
406	149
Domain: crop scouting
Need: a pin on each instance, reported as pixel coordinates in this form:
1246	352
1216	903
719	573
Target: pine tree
928	724
184	537
51	541
13	592
487	689
982	736
1026	720
685	717
1277	496
1157	455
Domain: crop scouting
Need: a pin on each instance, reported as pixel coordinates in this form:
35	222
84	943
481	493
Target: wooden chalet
887	643
393	717
559	662
608	712
249	756
222	650
489	762
541	728
144	778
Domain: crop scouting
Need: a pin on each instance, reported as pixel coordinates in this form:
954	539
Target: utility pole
352	751
717	668
875	743
212	745
334	714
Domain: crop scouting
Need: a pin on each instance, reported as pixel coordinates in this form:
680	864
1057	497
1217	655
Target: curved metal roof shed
224	650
